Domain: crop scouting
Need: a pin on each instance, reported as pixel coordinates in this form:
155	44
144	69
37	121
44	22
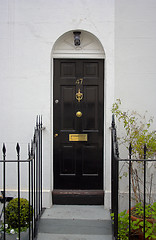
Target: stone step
78	197
75	226
43	236
75	223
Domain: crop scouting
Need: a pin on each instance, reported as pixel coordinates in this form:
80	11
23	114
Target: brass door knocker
79	95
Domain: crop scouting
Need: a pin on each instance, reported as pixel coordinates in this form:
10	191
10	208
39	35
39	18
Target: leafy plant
150	211
12	221
137	226
123	225
137	133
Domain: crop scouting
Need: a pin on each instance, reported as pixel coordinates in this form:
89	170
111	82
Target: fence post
130	171
116	166
29	158
32	186
112	164
145	150
18	170
115	177
4	198
37	167
41	125
38	149
34	175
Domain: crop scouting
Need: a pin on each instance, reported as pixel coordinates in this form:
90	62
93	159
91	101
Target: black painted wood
78	165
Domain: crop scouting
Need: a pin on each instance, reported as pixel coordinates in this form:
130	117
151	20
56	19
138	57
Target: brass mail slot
78	137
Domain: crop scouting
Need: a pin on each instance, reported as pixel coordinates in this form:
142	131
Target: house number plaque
78	137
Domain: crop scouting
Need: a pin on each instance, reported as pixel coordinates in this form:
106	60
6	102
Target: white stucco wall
28	31
135	62
135	51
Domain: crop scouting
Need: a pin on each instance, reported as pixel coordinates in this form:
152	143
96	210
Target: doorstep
78	197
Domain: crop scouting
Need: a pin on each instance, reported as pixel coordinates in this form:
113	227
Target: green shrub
12	213
137	226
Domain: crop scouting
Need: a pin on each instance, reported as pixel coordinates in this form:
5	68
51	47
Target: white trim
78	55
90	46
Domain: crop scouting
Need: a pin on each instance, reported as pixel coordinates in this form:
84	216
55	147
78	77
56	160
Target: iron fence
33	176
115	161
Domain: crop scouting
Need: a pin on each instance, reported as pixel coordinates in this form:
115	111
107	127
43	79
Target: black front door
78	123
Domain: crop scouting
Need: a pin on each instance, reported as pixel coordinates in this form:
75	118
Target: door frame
75	55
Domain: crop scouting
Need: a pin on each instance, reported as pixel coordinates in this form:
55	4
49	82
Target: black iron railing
115	161
33	176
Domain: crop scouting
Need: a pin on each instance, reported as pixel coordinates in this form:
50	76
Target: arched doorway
78	110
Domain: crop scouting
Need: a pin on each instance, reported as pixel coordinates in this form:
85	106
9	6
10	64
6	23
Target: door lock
56	135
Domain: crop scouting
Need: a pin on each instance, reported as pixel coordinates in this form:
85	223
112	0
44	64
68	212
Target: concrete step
75	223
43	236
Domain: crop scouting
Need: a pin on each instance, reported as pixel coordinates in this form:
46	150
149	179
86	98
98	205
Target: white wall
28	31
135	62
135	54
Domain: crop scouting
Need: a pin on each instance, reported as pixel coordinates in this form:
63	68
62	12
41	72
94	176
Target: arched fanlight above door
89	47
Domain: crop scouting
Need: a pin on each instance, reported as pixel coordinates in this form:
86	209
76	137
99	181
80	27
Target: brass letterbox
78	137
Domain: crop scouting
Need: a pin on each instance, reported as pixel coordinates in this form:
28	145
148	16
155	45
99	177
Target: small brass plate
78	137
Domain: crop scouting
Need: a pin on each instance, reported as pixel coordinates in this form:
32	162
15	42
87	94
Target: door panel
67	107
78	164
67	160
90	108
89	161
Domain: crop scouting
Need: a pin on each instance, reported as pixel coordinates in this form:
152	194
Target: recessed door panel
89	160
67	107
67	163
90	108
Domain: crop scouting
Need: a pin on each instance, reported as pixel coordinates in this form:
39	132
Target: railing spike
40	121
29	153
145	150
31	147
4	149
18	148
113	121
34	138
37	122
130	150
